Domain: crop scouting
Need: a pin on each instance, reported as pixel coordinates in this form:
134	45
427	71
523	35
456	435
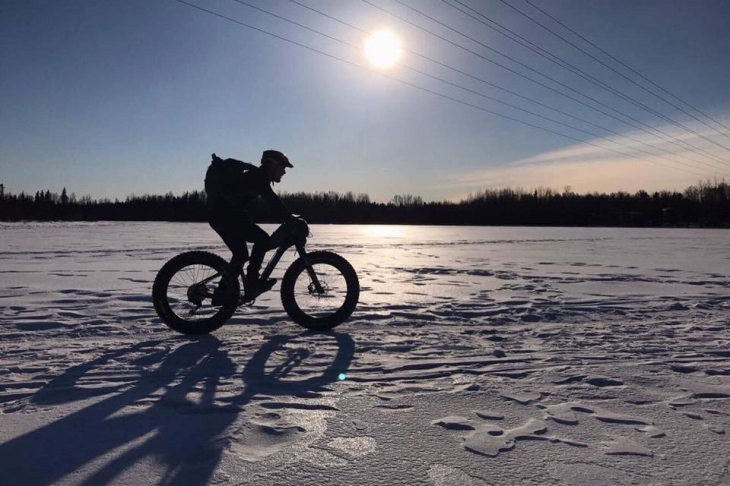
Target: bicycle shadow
169	415
273	382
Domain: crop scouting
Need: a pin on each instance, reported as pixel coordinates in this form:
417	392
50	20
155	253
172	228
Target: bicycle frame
271	265
274	261
299	242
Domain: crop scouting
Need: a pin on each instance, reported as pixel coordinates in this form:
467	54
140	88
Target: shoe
256	287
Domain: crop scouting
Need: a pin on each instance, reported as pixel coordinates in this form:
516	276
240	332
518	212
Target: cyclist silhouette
231	186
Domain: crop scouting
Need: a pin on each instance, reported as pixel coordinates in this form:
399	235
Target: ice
475	356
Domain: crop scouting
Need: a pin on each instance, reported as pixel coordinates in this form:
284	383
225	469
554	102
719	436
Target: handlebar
294	230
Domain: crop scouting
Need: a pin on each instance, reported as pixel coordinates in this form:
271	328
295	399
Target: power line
243	24
535	71
294	23
458	86
669	138
633	71
631	100
300	25
577	71
490	84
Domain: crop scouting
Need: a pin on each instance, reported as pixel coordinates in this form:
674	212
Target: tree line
706	204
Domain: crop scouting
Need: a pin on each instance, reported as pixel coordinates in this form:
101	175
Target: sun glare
383	49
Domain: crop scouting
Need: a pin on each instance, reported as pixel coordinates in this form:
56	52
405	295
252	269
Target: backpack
224	180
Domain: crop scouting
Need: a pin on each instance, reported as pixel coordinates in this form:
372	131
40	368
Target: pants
236	230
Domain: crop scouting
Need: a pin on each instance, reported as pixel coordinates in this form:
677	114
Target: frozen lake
477	355
522	272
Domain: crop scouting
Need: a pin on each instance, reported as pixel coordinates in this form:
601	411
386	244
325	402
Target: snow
476	356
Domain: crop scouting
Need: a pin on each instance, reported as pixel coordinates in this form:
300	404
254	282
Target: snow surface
476	356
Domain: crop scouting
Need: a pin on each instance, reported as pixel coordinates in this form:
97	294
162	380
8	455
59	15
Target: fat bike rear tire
314	310
183	292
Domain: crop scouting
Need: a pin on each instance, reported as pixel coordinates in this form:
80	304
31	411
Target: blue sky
119	97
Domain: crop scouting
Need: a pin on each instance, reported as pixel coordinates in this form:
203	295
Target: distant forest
704	205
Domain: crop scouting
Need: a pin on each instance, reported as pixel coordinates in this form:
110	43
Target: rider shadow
171	415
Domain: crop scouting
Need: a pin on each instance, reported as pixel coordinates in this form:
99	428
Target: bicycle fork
310	270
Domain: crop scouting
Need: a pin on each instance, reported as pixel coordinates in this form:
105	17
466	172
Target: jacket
232	185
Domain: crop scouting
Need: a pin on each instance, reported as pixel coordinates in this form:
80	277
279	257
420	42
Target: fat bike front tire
183	293
320	310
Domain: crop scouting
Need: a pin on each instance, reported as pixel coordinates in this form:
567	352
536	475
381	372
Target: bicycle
197	292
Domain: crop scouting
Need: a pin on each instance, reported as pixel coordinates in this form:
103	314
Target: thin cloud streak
644	142
586	168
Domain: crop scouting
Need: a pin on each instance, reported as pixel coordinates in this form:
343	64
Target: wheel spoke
184	290
183	282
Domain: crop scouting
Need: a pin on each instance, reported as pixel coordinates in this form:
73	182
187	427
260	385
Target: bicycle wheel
326	309
195	292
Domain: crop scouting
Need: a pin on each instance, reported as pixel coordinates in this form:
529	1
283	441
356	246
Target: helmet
275	157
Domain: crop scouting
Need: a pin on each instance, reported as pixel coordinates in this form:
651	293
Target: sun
383	49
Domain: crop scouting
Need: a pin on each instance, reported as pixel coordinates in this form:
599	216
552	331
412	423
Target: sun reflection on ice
384	231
